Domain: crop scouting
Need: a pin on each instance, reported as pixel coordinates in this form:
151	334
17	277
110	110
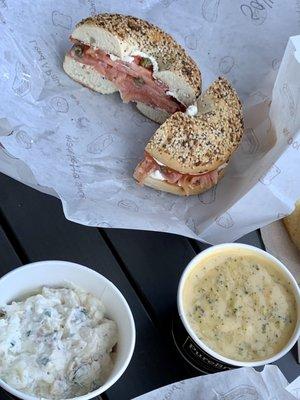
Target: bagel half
188	154
136	45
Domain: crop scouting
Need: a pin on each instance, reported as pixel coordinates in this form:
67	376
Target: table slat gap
18	248
197	245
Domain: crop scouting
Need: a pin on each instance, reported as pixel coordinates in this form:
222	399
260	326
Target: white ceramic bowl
199	342
25	280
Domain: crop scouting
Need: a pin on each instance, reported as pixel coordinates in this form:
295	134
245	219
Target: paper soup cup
201	352
27	280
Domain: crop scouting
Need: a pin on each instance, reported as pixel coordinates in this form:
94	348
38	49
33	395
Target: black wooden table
145	266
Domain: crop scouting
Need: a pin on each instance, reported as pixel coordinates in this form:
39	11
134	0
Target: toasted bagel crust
122	35
292	224
193	145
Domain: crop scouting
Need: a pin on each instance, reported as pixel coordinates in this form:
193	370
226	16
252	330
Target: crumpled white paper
64	139
277	242
238	384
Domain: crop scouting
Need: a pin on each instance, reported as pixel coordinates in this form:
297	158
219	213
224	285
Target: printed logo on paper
99	144
191	41
226	64
23	139
291	141
82	122
250	143
101	223
59	104
256	11
74	165
62	20
210	10
270	175
225	221
209	196
43	63
287	94
242	392
128	205
258	97
167	3
21	83
92	7
190	223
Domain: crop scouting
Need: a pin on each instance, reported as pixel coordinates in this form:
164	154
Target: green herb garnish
146	63
78	51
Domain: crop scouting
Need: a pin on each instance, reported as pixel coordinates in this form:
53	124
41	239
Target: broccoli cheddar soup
240	305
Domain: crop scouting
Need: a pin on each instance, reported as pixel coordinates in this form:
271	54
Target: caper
139	81
146	63
78	51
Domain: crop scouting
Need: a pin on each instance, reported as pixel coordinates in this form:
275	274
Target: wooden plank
6	396
252	238
8	260
38	223
8	257
154	262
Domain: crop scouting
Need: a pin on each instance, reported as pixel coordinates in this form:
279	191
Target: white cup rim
200	343
119	373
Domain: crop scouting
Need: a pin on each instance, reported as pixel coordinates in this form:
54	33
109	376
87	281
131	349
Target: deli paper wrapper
243	383
277	242
64	139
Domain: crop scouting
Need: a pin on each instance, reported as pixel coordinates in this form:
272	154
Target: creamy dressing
240	304
157	175
126	58
56	344
191	111
130	58
158	162
172	94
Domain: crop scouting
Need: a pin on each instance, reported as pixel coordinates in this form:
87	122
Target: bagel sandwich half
114	52
188	155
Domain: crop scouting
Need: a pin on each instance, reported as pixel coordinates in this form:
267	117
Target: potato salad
56	344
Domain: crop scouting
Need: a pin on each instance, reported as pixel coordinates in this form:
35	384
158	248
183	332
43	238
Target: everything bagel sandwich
113	52
188	154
